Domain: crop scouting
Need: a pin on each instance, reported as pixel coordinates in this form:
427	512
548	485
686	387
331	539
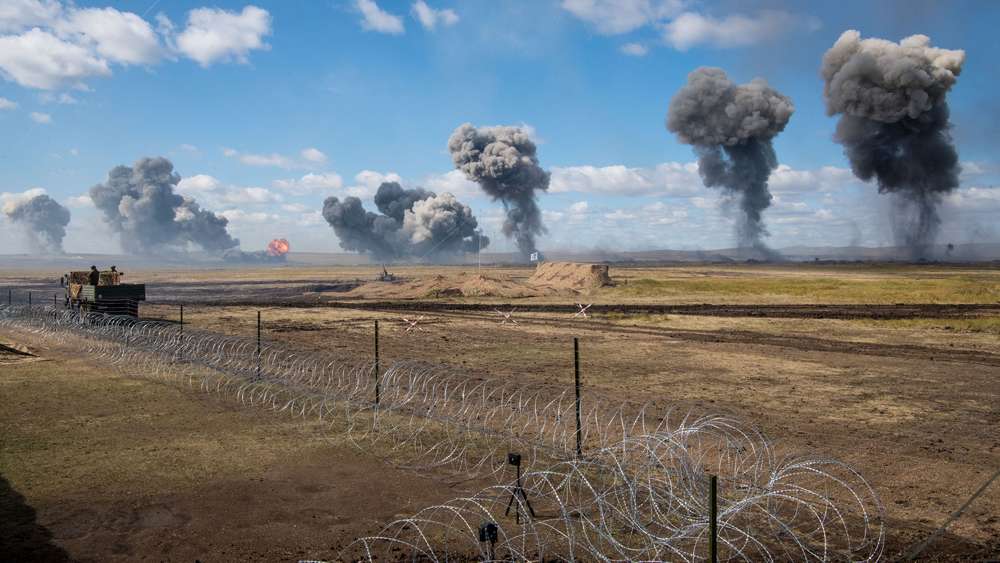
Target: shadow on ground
22	538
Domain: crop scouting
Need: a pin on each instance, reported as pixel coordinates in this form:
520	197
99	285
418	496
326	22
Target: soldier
95	276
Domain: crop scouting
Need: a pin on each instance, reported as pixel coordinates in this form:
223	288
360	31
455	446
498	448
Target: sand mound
571	276
460	285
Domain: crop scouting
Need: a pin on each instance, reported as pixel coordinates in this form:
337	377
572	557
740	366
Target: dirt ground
894	369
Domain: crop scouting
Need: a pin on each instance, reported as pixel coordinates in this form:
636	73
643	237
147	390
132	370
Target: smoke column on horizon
44	220
731	127
894	125
141	205
503	161
414	223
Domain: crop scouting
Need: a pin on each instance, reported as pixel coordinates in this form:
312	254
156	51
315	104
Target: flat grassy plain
912	401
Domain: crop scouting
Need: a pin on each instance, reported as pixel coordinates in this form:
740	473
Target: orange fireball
278	247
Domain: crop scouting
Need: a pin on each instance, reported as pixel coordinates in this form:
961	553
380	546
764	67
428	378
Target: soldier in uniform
95	276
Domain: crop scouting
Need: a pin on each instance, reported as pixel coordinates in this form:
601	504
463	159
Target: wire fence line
638	493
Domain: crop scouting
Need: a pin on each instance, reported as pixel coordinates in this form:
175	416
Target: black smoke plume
731	127
894	125
503	161
414	224
44	219
140	203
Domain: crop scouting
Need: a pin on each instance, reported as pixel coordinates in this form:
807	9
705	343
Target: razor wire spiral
639	494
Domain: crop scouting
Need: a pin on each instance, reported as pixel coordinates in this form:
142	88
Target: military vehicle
109	296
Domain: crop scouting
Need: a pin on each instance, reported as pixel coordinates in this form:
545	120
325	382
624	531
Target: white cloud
213	35
613	17
313	155
121	37
785	179
376	19
294	208
311	183
80	201
39	59
7	104
250	159
671	178
238	216
213	192
18	15
42	118
189	148
620	215
198	183
634	49
50	46
453	182
975	199
430	18
62	98
691	29
579	207
74	152
10	200
368	181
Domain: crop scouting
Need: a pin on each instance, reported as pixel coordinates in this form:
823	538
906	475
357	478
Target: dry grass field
892	368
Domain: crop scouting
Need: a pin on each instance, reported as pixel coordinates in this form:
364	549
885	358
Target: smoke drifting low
415	223
140	203
894	125
44	219
503	161
731	127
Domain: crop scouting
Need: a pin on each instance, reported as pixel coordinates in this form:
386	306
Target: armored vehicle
109	295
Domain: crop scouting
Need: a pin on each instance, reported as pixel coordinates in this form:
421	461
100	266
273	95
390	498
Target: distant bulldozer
108	295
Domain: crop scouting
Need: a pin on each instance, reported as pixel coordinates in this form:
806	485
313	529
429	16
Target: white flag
534	257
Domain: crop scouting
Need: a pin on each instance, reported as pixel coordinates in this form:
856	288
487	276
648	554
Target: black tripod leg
527	502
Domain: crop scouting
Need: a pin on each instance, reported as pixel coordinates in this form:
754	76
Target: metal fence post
258	344
576	374
713	519
378	391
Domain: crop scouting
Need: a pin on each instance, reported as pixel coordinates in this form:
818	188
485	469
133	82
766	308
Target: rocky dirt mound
570	276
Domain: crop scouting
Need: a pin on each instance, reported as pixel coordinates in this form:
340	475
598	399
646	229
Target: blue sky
281	104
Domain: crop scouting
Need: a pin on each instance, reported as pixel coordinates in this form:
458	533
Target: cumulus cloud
18	15
634	49
217	194
613	17
7	104
308	158
121	37
376	19
213	35
39	59
668	178
313	155
691	29
367	182
47	44
683	29
311	183
42	118
431	18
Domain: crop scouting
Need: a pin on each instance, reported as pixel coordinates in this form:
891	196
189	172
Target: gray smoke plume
731	127
141	205
44	219
414	223
503	161
894	125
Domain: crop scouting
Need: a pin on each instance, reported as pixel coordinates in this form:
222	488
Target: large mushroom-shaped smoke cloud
415	223
894	124
43	218
140	203
503	161
731	127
